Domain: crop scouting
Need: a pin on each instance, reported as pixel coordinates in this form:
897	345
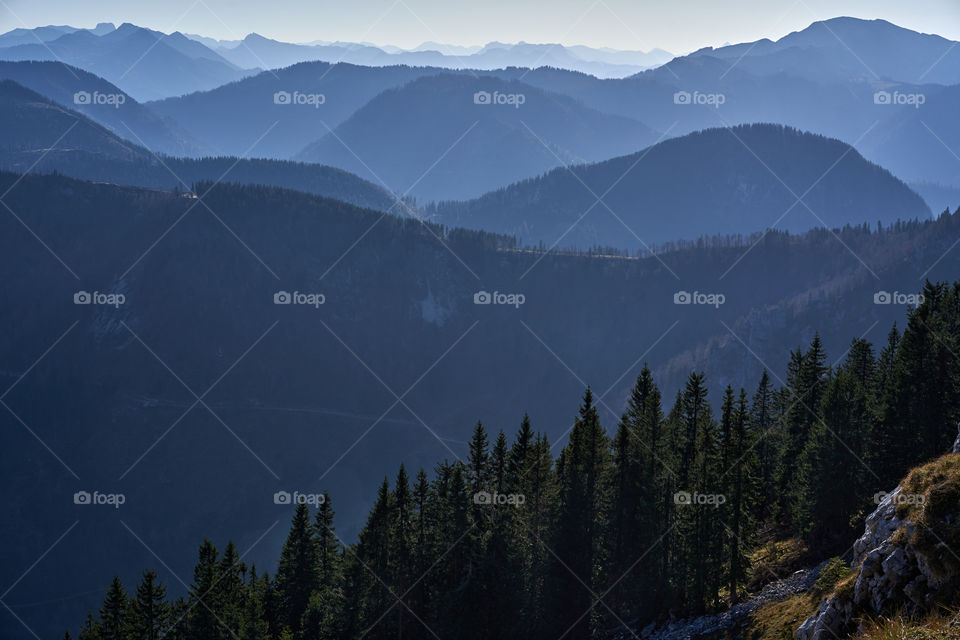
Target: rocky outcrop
892	572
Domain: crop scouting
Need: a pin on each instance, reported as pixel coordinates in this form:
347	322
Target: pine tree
838	451
297	571
328	547
202	618
538	486
769	450
498	463
255	625
401	551
584	473
114	614
91	629
707	550
806	380
150	611
637	507
520	453
321	618
740	479
371	564
229	591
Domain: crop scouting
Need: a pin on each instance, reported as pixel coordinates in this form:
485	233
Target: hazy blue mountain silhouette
257	51
446	136
146	64
31	124
718	181
69	86
847	48
920	143
245	115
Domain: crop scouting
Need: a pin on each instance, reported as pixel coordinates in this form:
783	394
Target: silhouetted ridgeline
718	181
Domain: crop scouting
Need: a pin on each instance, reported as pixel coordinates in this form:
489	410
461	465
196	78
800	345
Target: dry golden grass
936	626
780	620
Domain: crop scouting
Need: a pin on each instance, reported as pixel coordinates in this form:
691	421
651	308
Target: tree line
657	519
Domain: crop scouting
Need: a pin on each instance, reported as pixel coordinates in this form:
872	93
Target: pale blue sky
678	25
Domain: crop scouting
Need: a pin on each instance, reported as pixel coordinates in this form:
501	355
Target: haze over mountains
487	131
147	64
258	51
894	109
302	385
88	150
798	180
719	181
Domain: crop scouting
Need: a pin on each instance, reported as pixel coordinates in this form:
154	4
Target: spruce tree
114	614
150	611
328	547
297	571
769	450
203	617
584	473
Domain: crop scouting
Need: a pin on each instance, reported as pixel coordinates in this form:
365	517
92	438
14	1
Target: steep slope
146	64
31	124
456	136
70	87
301	399
905	561
249	115
718	181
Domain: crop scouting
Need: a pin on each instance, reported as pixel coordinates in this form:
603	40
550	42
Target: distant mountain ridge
713	182
857	48
76	89
199	299
454	135
257	50
31	124
146	64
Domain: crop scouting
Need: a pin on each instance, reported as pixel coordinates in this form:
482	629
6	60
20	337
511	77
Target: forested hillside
661	513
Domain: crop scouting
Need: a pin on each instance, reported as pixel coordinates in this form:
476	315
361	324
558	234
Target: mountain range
88	150
893	114
325	257
147	64
297	385
718	181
